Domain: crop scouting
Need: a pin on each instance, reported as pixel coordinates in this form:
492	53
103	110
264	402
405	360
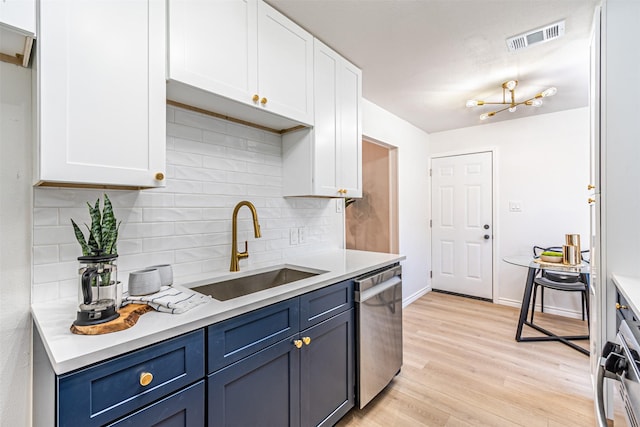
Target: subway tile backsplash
212	164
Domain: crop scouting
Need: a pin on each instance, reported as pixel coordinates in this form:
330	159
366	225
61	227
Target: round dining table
534	266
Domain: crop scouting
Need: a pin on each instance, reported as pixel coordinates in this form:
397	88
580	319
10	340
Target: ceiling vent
533	37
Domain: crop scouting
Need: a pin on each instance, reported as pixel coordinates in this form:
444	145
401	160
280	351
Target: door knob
306	340
591	200
487	237
297	343
590	187
255	98
486	226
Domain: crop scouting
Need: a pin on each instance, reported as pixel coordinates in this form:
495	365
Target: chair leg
582	305
542	300
533	301
586	298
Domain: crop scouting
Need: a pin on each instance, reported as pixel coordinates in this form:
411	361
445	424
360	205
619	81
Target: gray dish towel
170	299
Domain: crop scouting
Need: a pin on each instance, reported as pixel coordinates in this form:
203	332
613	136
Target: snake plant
103	232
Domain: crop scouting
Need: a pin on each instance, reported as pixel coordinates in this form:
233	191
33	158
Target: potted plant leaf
99	247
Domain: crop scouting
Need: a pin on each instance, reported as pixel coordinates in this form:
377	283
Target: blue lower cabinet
327	371
182	409
260	390
105	392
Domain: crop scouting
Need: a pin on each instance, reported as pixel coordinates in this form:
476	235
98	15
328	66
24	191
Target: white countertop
68	351
629	287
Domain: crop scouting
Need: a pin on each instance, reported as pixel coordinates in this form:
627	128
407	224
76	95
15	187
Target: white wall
212	164
543	162
413	193
15	244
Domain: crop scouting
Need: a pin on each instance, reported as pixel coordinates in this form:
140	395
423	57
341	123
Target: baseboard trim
415	296
547	308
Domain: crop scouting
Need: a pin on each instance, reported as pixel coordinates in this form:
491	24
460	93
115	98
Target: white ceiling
422	59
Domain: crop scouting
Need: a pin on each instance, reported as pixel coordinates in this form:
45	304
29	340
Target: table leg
526	301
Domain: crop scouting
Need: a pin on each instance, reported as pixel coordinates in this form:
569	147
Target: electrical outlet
293	236
339	205
302	235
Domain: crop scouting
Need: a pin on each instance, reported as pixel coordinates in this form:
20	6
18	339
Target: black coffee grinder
97	294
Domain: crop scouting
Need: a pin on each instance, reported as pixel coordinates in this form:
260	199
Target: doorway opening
371	223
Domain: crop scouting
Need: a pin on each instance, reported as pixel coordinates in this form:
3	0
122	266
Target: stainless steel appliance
378	300
621	361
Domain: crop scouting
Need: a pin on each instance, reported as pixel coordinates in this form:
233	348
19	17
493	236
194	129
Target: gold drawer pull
263	101
255	98
591	200
590	187
159	176
297	343
306	340
620	307
146	378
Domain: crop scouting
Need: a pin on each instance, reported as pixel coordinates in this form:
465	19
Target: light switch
515	206
293	236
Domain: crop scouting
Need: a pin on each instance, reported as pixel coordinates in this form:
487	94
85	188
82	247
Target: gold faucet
235	255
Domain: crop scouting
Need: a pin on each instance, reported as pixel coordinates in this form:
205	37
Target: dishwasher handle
362	296
375	279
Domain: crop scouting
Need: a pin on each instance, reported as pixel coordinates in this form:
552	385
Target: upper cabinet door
350	148
101	93
212	46
285	65
242	59
19	14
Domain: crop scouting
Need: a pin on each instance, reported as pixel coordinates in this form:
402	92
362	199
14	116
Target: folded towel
170	299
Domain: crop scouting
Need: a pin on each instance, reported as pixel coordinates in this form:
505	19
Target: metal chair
560	281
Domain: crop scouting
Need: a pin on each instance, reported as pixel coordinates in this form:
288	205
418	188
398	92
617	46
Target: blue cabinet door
259	390
327	371
182	409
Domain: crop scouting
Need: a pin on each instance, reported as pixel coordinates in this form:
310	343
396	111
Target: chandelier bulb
511	84
536	102
549	92
472	103
512	109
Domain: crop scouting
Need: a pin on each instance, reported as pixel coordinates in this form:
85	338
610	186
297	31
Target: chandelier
512	105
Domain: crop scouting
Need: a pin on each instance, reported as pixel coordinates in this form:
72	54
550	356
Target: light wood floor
463	367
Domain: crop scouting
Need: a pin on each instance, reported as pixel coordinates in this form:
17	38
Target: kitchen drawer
182	409
324	303
236	338
105	392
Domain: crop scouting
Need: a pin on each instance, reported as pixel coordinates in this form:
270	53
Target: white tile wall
212	164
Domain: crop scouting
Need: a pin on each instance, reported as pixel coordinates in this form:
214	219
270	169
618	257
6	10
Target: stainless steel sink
246	285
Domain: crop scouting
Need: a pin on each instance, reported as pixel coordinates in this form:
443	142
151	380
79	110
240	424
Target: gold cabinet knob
591	200
263	101
255	98
146	378
620	307
159	176
306	340
590	187
297	343
342	191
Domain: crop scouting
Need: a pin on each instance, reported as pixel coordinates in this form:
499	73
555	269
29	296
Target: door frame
494	211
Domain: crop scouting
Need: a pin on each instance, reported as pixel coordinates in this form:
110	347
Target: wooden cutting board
129	315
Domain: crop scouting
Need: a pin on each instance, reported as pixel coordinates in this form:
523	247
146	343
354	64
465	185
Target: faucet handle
245	253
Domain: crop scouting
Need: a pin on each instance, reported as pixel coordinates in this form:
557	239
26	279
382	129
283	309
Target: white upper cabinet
19	14
17	30
242	59
101	93
327	159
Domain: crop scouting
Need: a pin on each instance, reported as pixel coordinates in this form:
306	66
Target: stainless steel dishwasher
378	299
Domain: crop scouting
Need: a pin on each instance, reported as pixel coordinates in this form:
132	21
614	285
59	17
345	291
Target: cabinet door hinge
430	223
431	274
430	171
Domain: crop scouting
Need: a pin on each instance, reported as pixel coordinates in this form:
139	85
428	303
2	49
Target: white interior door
462	229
